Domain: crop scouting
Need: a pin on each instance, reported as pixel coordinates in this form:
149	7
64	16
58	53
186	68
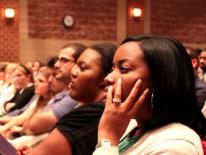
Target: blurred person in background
7	91
202	64
23	83
200	86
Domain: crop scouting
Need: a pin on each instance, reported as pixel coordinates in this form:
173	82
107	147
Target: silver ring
116	100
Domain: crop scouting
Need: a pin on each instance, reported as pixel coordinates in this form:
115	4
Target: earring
152	99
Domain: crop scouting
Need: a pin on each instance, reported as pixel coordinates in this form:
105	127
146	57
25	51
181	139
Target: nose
57	64
51	77
109	79
35	84
74	71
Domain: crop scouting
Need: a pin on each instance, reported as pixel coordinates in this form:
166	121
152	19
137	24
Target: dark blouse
22	99
80	127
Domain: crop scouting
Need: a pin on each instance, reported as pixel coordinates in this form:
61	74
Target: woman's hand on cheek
117	116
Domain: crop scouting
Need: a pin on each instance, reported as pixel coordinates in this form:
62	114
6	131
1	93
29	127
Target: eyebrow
65	59
122	61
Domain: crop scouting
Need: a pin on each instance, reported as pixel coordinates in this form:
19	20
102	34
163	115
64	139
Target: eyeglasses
65	60
204	58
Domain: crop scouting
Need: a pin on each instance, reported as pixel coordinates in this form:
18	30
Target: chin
36	92
58	76
72	94
75	97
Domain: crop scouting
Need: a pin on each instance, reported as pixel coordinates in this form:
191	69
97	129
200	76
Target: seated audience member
202	60
76	132
152	81
42	89
62	103
34	67
8	90
20	110
200	86
23	83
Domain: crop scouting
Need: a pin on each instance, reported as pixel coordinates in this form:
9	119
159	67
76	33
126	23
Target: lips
106	89
71	84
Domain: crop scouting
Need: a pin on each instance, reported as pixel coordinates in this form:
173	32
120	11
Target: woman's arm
55	143
6	119
39	123
16	121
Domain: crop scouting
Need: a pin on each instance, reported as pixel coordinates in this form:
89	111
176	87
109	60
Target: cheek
86	86
24	78
82	85
67	67
127	86
42	89
45	89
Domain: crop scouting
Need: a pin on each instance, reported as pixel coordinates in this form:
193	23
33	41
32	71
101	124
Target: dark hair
3	68
79	48
193	53
172	75
106	50
51	61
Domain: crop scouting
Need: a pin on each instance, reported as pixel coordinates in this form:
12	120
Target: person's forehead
40	76
130	49
66	53
203	53
89	55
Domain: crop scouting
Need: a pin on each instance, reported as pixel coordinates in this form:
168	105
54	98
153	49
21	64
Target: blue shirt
61	104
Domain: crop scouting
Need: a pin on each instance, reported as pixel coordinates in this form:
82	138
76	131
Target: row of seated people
149	97
15	82
200	85
201	55
48	101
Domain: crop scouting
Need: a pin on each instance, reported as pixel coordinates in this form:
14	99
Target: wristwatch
105	143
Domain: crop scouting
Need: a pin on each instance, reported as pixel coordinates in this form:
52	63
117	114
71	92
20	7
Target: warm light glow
9	13
137	12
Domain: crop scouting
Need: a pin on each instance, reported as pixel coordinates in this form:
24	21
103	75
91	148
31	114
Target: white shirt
172	139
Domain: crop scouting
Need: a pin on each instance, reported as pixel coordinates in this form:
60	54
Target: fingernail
119	81
146	90
110	88
139	81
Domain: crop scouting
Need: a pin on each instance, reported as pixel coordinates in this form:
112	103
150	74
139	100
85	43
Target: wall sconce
137	12
9	13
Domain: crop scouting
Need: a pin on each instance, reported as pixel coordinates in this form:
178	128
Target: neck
63	87
98	97
46	96
64	80
144	114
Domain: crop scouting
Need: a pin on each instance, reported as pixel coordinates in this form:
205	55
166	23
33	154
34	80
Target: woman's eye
41	81
82	67
124	69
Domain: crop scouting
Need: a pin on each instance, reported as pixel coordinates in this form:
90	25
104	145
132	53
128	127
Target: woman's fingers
131	99
118	93
140	101
109	96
